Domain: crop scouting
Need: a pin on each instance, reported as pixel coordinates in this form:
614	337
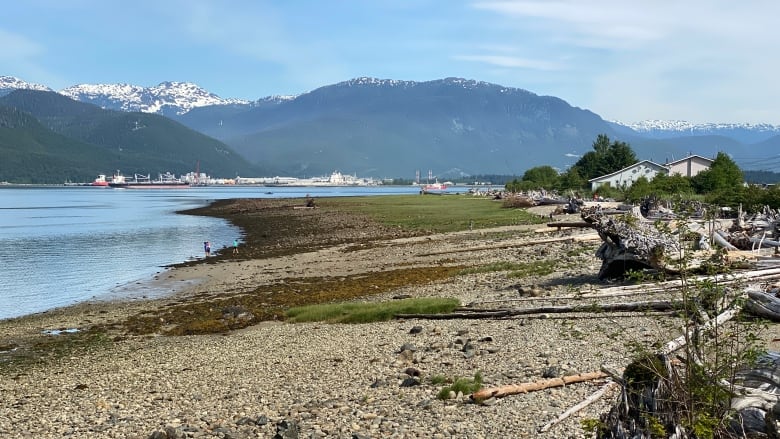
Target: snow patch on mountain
11	83
682	126
179	97
365	80
276	99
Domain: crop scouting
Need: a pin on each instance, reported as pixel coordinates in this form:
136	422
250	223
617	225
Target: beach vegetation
49	348
693	391
438	379
271	301
464	386
447	213
353	312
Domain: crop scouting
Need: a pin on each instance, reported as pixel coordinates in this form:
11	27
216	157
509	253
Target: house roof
685	159
627	168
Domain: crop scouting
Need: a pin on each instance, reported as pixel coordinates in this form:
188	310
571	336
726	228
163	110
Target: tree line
723	184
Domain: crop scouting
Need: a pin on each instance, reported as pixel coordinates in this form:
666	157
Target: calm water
60	246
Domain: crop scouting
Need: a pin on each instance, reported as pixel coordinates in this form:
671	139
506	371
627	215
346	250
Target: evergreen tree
542	177
605	158
723	175
572	179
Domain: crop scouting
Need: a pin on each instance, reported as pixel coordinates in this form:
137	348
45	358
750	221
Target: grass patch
536	268
493	267
369	312
465	386
581	250
438	214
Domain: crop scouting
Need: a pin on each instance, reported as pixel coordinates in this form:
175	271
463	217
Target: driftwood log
658	305
514	389
630	244
581	405
764	304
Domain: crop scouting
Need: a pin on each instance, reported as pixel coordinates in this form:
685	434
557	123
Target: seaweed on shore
269	302
274	227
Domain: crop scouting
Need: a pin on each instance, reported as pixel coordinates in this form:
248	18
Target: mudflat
215	358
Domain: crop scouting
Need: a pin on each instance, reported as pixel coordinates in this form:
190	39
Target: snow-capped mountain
685	126
665	129
165	98
174	99
10	83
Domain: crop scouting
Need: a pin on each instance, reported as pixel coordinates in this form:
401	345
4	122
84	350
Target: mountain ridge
131	141
185	96
391	128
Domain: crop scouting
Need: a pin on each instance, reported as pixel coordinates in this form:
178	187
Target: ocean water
64	245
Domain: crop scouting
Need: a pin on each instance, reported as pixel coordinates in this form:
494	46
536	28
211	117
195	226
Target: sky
630	61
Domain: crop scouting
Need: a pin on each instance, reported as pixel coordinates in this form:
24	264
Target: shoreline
369	380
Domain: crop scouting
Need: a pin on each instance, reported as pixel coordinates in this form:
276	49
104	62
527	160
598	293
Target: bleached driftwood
631	245
720	238
680	341
514	389
595	396
763	304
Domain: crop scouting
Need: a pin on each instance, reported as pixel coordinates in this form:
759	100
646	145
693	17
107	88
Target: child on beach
207	248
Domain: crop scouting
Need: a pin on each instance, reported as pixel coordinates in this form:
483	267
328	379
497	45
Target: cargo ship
164	181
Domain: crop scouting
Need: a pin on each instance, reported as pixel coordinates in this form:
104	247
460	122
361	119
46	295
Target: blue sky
700	61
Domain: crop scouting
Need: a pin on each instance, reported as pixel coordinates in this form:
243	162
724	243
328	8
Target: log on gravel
660	305
514	389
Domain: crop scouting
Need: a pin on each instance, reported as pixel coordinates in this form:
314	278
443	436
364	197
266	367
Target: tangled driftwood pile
650	404
761	230
666	243
633	242
653	391
630	243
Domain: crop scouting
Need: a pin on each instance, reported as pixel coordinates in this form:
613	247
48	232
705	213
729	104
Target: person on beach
235	246
207	248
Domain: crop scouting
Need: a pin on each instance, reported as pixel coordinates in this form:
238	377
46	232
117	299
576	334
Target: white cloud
510	62
695	60
18	47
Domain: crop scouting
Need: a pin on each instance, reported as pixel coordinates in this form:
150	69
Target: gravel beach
317	380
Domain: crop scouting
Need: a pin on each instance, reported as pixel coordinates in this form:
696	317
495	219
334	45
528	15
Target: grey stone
286	429
408	347
410	382
412	371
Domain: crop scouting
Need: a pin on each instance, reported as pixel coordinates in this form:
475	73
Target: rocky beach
216	358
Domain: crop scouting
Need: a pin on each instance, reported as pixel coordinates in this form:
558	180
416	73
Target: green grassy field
447	213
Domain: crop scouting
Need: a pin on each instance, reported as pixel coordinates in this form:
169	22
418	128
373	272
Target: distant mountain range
390	128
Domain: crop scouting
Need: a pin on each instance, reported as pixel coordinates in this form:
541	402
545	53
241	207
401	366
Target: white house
689	166
628	175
